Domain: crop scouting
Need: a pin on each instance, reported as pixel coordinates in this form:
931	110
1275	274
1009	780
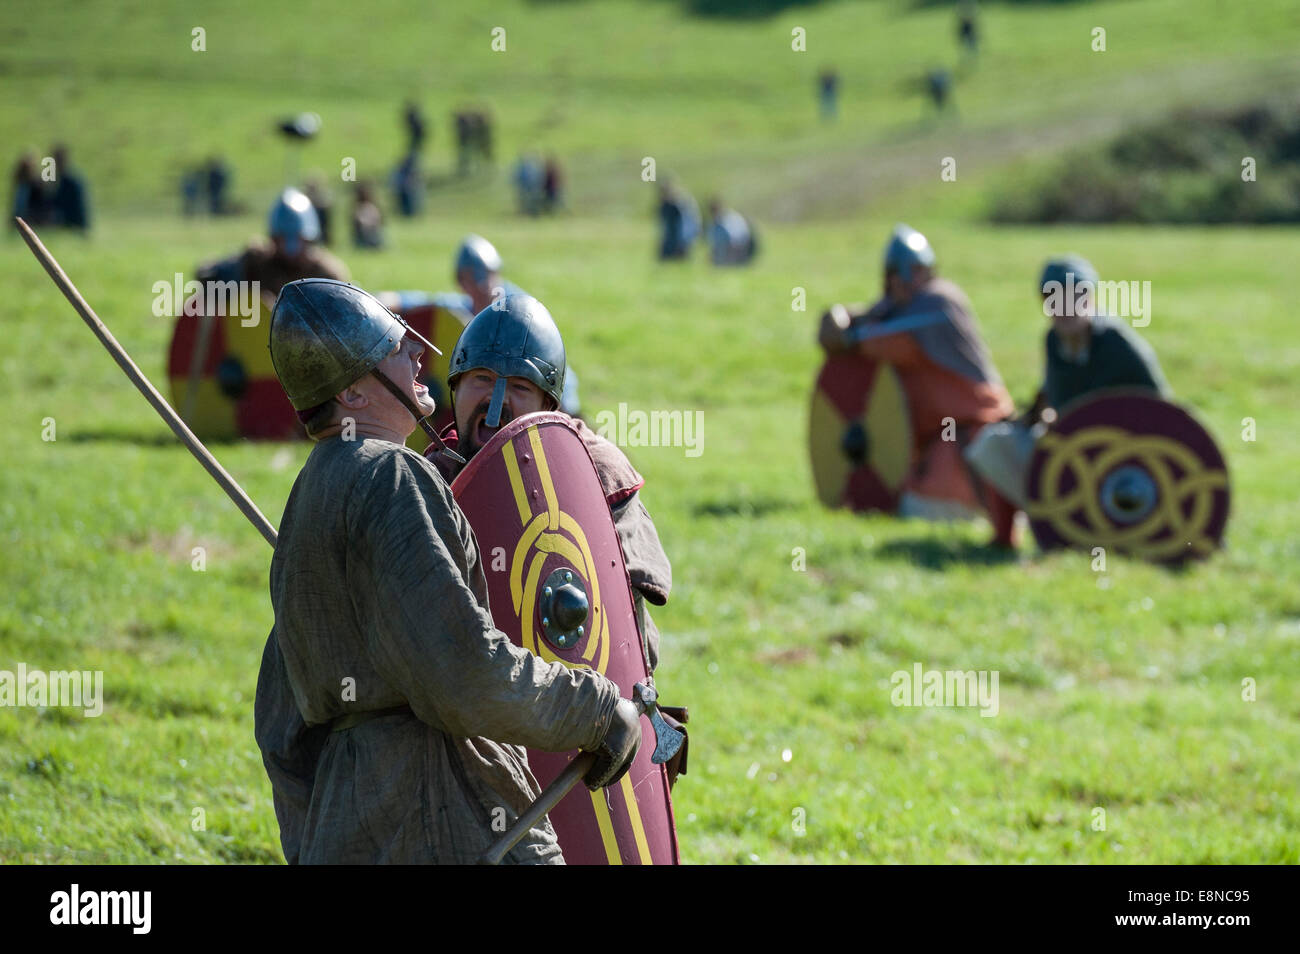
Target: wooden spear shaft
201	453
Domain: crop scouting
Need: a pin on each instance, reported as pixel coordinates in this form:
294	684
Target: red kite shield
1129	472
859	434
536	505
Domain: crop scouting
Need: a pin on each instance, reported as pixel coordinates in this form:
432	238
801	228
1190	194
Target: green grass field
1120	690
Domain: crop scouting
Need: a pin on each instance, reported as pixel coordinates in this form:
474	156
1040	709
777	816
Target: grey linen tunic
380	602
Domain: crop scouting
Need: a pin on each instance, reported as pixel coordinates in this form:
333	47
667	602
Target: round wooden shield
859	434
1129	472
558	586
223	384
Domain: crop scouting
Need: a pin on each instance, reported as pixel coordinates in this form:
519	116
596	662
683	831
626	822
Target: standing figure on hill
968	27
553	185
69	203
31	202
218	184
1085	351
367	218
473	139
528	179
925	327
477	270
415	127
939	84
323	202
408	185
828	90
679	222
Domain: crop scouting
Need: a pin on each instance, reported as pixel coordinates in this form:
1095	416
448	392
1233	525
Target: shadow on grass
742	507
938	554
163	438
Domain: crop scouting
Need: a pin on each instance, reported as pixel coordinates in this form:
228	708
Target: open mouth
483	433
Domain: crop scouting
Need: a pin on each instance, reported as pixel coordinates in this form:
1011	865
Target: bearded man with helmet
510	361
391	713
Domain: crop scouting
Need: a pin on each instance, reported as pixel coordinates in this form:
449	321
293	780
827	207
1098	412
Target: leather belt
353	719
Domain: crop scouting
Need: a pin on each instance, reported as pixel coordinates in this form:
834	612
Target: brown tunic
380	602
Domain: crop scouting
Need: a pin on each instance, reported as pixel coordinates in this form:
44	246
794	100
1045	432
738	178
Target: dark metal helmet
294	220
907	247
478	255
1058	269
326	334
515	336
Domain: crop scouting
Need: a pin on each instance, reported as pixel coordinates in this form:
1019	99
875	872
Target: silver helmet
294	220
907	247
478	255
325	334
514	336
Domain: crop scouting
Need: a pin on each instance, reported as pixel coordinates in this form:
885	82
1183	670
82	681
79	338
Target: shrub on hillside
1185	169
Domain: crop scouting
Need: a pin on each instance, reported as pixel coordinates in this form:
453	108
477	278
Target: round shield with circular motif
223	383
1131	473
859	434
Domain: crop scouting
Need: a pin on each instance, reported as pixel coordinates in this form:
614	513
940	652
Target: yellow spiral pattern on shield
1070	454
550	530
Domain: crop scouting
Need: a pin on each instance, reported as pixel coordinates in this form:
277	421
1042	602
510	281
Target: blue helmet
294	220
513	337
907	247
1058	269
478	255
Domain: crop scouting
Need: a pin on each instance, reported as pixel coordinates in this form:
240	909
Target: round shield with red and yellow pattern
1131	473
223	384
558	586
859	434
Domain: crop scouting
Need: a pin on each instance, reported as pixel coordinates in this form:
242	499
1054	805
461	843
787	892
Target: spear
179	428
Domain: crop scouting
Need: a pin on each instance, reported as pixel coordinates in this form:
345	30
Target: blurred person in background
732	239
477	271
925	327
367	217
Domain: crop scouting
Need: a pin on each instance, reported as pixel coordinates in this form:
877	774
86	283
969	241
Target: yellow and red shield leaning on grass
1129	472
223	384
558	587
859	434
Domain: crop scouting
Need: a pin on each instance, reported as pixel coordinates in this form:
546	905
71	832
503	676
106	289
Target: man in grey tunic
391	714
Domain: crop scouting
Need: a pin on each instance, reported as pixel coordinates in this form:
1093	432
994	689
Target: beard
476	434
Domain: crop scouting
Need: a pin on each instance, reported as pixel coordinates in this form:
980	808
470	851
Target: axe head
667	739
